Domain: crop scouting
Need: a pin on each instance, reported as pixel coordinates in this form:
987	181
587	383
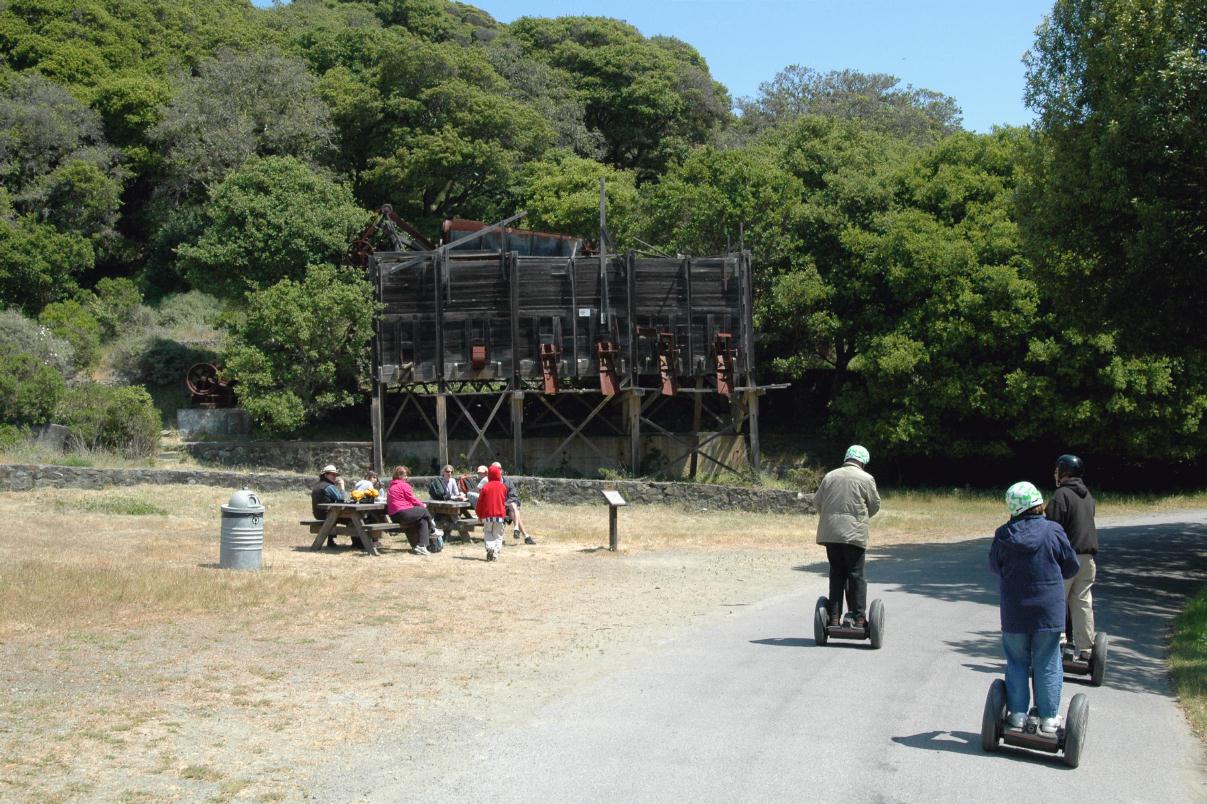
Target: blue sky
969	49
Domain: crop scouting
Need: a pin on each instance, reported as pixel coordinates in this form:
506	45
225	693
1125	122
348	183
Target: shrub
29	390
72	321
115	305
192	309
11	435
21	334
155	360
121	418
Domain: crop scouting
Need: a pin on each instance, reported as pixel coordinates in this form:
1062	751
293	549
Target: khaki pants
1080	598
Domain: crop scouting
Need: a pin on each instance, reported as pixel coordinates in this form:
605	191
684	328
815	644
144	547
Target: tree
561	194
54	160
266	222
39	264
1117	210
239	105
877	100
650	99
298	349
1115	219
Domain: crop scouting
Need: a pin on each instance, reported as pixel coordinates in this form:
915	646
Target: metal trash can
242	531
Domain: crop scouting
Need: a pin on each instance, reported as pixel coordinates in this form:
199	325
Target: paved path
752	710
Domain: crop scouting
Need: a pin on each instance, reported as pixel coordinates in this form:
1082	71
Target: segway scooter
1094	667
1069	738
873	631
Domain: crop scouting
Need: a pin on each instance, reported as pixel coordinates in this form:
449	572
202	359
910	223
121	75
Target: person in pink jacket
404	508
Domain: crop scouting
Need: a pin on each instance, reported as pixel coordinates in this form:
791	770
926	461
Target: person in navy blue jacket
1032	556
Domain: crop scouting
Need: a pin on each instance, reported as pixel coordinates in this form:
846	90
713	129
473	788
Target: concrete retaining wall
689	496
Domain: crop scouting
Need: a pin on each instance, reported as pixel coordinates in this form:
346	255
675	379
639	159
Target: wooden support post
613	535
633	425
752	412
442	427
517	432
697	411
376	413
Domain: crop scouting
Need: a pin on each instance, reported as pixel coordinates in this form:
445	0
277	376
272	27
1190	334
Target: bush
72	321
120	418
116	304
11	435
192	309
29	390
156	360
21	334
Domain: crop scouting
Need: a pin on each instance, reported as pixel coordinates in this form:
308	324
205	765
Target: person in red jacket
492	510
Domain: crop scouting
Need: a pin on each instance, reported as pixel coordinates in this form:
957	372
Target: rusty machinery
207	389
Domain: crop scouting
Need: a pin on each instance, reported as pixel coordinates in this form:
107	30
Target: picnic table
453	515
361	521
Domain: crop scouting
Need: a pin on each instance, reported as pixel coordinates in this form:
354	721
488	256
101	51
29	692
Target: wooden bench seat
342	529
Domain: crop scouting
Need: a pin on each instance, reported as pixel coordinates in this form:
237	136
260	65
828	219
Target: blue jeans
1034	655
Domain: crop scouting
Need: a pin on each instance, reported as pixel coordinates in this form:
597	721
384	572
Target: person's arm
408	494
334	493
873	499
995	558
1069	565
1058	507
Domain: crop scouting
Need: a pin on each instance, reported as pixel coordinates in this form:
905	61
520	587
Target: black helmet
1069	465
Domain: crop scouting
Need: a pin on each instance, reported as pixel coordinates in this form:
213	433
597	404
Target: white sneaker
1049	725
420	551
1016	720
438	532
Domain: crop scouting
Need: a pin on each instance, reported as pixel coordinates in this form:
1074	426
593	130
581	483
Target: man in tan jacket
845	501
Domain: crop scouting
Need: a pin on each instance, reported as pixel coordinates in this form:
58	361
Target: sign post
614	501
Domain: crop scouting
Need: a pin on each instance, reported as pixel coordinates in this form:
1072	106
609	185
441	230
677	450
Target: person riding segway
846	500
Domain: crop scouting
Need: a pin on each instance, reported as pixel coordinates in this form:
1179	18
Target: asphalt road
753	710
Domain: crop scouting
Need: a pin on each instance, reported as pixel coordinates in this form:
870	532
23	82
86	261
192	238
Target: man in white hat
846	499
329	489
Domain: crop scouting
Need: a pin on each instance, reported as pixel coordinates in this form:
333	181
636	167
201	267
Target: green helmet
858	453
1022	497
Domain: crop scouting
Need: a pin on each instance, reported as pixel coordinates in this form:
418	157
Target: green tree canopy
877	100
561	194
300	346
254	103
266	222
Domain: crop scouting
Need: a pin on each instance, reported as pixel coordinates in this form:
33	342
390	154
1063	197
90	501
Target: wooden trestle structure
505	331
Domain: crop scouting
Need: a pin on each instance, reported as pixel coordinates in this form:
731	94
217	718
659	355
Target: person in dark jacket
329	489
1072	507
446	486
1032	556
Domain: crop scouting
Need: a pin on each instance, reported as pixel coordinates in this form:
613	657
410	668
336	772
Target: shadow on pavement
965	742
1145	575
785	642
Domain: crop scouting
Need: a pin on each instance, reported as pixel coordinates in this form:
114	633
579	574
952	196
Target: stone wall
689	496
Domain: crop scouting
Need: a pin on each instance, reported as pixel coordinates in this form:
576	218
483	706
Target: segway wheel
876	623
1077	722
1098	658
821	618
994	716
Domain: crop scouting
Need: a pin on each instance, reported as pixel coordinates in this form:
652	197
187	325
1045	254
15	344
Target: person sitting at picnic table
329	489
369	481
476	488
405	509
513	507
446	486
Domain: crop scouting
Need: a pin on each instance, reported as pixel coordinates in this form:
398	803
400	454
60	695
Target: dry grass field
132	668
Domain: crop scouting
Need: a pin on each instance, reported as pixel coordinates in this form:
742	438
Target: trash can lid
244	501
